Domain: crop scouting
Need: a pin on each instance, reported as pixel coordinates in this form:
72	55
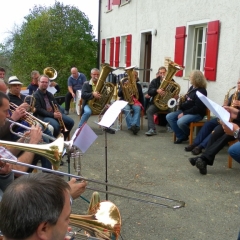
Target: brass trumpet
29	117
60	120
31	102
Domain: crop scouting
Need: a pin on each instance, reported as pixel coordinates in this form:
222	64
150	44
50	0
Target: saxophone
106	89
170	87
129	86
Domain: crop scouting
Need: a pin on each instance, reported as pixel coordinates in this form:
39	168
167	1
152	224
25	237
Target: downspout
99	24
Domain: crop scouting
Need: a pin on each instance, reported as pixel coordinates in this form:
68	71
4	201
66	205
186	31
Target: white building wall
140	15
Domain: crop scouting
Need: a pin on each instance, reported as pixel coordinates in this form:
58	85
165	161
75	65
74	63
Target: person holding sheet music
219	138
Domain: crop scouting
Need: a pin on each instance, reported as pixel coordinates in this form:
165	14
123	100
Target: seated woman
190	110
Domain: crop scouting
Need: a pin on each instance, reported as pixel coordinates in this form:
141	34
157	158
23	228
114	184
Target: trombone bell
52	151
105	223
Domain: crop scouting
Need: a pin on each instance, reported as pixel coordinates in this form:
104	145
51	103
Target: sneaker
202	166
66	112
169	129
190	148
197	150
151	132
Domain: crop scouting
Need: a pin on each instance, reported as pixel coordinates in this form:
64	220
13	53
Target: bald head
3	86
74	72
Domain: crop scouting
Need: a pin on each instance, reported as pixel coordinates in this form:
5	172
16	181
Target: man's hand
18	113
96	95
25	105
233	112
147	96
77	188
35	134
161	92
73	95
4	168
180	115
53	84
57	115
228	131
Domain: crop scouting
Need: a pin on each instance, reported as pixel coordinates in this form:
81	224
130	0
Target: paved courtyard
156	165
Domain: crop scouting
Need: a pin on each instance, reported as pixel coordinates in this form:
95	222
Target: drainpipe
99	44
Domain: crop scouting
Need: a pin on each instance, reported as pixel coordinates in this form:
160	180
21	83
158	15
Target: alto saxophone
60	120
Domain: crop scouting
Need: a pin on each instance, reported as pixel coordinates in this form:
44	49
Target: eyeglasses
44	82
162	73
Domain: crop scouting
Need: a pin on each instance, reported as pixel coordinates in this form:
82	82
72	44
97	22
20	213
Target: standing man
75	82
45	108
88	93
153	90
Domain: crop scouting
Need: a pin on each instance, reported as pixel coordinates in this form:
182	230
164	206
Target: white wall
165	16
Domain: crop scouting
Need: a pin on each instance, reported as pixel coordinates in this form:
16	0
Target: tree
59	36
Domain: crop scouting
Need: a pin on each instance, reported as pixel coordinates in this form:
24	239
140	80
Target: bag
155	119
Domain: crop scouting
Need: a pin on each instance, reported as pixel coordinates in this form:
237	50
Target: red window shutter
129	50
179	48
111	51
109	6
116	2
210	69
117	51
103	50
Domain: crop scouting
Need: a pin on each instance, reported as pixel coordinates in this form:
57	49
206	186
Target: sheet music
112	113
216	109
52	90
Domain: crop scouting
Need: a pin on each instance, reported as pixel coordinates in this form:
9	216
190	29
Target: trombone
175	204
29	117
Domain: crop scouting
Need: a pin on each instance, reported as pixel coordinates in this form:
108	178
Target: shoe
189	148
193	160
146	117
151	132
61	163
109	130
178	141
135	129
197	151
169	130
66	112
202	166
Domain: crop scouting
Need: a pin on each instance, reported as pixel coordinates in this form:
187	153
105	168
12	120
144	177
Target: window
126	50
199	53
201	48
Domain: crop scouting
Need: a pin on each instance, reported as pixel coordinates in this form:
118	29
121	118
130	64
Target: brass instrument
172	203
104	223
106	89
129	86
170	87
227	95
52	151
60	120
234	98
50	72
31	102
29	118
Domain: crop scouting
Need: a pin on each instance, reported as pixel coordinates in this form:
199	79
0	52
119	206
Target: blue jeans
86	115
234	151
205	133
69	123
132	114
181	126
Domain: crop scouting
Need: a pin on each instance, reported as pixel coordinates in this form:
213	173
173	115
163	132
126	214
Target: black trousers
68	99
216	142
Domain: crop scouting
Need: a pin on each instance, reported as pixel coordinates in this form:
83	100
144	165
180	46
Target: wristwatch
235	133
